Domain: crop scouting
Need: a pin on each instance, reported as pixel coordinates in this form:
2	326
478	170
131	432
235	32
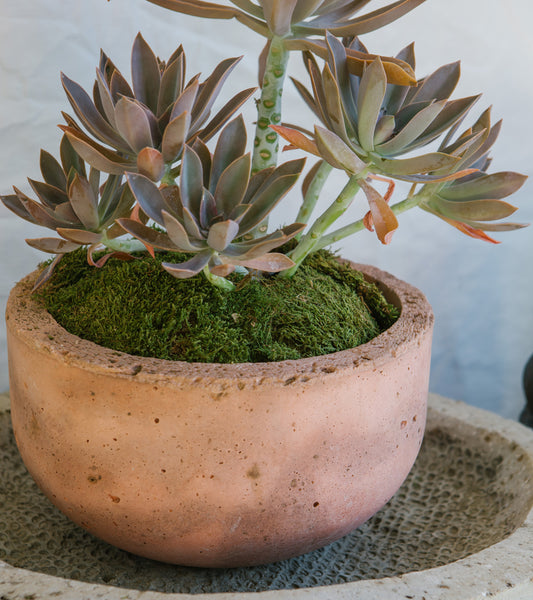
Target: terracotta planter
218	465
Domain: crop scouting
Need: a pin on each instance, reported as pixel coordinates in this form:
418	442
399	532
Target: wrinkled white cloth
481	294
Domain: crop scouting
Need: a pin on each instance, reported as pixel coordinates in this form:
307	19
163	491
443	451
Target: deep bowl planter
211	464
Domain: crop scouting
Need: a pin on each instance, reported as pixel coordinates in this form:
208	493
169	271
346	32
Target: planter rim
32	320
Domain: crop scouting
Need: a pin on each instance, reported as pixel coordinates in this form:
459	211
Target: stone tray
460	528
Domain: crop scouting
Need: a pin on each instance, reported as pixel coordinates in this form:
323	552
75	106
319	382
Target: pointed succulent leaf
88	114
65	213
437	86
150	163
84	202
231	145
477	210
175	136
221	234
412	130
384	220
493	186
225	113
336	152
204	154
191	267
179	236
371	94
426	163
208	210
172	82
191	180
495	227
185	101
198	8
147	235
79	236
133	124
103	98
70	159
52	171
272	262
96	155
52	245
232	184
49	195
148	196
42	215
145	73
384	129
297	139
210	89
267	197
259	246
15	205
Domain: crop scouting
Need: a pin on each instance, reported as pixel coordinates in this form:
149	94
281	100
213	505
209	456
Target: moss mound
138	308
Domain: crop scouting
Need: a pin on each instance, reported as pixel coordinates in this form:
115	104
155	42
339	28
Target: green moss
137	307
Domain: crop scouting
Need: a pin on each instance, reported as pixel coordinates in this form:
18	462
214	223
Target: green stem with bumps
266	142
311	239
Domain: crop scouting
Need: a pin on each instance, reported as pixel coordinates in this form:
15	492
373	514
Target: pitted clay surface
463	495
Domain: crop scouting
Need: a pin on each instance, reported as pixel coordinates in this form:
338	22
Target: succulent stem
311	239
313	193
122	245
168	177
266	142
339	234
220	282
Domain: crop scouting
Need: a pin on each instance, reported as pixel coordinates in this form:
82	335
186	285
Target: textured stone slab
460	528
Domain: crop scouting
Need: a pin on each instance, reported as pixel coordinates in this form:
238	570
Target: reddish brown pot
218	465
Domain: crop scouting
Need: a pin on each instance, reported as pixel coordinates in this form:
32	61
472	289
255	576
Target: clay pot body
218	465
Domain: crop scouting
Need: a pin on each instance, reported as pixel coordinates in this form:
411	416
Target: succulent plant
473	203
147	124
380	121
216	204
75	205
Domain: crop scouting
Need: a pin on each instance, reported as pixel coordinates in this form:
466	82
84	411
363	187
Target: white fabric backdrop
481	294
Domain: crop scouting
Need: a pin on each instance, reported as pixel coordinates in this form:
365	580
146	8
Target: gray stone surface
460	528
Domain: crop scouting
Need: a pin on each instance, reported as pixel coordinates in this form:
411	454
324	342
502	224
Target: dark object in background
527	414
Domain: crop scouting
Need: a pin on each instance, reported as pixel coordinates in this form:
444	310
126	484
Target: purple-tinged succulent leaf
191	267
52	245
46	273
48	194
133	124
192	226
147	235
437	86
17	206
191	180
148	196
98	156
232	184
175	136
208	210
186	100
221	234
151	163
231	145
79	236
278	15
88	114
172	81
84	202
52	171
179	236
146	75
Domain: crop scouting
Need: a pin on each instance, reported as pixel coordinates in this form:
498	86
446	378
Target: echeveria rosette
144	127
76	205
213	209
474	203
381	121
